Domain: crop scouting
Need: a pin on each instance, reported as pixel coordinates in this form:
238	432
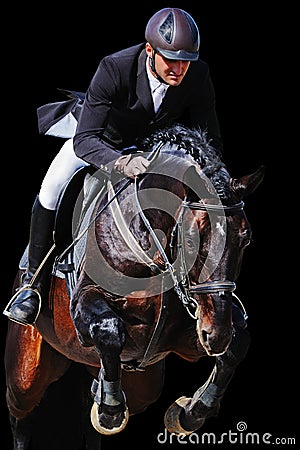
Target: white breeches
63	166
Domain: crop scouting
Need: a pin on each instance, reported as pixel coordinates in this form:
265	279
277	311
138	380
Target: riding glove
131	166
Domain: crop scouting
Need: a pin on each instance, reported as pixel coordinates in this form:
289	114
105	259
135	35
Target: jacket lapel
143	91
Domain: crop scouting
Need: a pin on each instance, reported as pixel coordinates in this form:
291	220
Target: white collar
154	82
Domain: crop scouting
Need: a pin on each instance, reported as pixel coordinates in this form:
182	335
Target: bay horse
156	275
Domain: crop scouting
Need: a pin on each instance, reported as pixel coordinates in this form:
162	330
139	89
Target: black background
55	47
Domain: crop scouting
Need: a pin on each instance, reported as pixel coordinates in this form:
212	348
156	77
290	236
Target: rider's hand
131	166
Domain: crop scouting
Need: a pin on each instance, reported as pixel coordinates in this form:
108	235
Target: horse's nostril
205	335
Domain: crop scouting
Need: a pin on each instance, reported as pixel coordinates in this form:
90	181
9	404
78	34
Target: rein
185	299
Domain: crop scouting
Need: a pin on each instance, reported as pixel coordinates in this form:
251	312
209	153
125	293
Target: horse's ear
249	183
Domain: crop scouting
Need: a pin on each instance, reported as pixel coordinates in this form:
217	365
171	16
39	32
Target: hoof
172	420
100	428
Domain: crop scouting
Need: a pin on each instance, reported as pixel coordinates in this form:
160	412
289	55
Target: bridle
215	286
182	287
207	287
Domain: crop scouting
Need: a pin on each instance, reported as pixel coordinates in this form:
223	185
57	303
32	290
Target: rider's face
171	71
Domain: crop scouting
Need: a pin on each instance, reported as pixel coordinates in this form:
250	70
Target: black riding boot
25	306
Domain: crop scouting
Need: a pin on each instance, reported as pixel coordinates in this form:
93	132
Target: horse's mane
193	142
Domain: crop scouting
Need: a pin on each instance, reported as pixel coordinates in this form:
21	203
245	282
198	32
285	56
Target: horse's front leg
97	325
187	415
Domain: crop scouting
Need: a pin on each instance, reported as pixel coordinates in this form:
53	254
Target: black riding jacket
118	107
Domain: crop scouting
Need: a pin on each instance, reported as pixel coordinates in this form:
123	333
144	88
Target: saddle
73	216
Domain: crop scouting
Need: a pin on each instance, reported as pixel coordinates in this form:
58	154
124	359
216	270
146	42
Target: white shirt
158	89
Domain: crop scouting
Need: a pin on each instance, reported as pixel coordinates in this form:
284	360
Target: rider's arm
89	144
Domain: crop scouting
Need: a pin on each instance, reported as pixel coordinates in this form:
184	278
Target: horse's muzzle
214	320
216	341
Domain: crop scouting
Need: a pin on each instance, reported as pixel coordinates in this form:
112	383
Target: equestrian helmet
174	34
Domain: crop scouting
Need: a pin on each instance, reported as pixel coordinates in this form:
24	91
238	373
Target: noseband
218	209
213	287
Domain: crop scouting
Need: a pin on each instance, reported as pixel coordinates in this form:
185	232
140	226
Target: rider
133	92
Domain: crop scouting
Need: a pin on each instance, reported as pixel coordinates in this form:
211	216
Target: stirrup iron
7	313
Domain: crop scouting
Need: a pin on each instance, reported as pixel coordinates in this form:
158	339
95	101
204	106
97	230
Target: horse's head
210	235
224	232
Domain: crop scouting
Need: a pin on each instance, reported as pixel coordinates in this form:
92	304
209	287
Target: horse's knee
108	332
96	324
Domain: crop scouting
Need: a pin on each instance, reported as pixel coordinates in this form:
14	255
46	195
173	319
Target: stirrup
7	312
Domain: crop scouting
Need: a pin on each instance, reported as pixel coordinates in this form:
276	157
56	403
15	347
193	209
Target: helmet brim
181	55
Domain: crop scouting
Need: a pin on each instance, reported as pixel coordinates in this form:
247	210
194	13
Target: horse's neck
161	197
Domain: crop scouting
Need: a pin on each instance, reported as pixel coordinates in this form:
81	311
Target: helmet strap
152	65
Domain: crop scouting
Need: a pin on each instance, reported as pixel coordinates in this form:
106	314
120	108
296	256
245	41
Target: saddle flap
71	197
73	218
